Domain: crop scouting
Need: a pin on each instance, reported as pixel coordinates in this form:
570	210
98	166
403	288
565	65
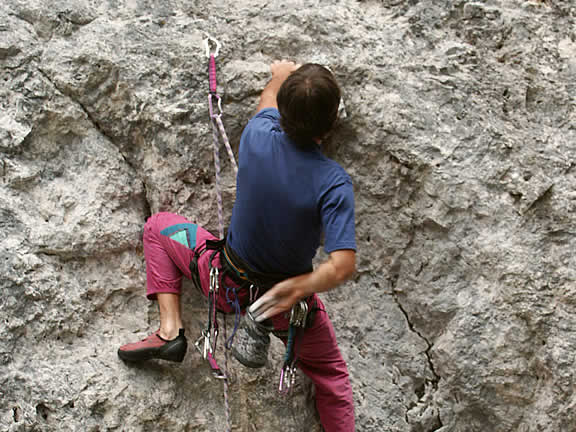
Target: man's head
308	103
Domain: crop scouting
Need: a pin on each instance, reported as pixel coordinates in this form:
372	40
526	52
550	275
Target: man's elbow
347	273
345	265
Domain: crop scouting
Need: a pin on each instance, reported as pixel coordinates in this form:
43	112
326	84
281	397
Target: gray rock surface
460	137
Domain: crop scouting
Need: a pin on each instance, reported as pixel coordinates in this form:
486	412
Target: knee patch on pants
184	233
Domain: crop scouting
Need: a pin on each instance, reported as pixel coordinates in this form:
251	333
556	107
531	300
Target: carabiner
211	105
287	379
214	41
214	279
203	344
282	387
214	341
199	346
299	313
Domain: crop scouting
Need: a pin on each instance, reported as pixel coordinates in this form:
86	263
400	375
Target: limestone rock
459	137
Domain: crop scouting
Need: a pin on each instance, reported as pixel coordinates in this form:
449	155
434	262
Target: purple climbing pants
169	244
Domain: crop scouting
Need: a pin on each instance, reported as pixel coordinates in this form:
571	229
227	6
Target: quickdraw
298	320
206	343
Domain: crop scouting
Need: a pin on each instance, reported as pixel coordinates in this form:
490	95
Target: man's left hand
340	267
280	298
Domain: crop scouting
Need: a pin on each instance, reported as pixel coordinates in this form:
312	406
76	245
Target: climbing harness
298	320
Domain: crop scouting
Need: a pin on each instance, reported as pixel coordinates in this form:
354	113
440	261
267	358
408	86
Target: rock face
460	137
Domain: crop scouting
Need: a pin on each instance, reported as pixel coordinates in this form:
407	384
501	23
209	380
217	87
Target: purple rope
216	169
218	127
225	385
226	142
236	305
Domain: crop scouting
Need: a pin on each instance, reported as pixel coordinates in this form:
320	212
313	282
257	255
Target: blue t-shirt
286	196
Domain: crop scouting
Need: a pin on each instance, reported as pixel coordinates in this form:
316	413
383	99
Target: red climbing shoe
154	347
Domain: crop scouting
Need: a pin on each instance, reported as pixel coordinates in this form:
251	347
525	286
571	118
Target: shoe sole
245	361
175	351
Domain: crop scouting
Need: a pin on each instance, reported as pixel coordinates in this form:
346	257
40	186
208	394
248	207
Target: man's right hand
282	68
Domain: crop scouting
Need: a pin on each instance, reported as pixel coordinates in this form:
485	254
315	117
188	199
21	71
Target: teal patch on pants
185	234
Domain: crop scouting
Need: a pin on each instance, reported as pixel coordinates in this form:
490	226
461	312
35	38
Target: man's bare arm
340	267
280	70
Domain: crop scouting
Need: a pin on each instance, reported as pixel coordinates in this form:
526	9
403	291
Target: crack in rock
110	138
427	352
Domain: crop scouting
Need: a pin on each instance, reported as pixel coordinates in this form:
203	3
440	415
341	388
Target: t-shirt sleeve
260	127
338	217
266	119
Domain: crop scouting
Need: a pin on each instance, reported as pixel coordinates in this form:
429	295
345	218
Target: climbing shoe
251	342
154	347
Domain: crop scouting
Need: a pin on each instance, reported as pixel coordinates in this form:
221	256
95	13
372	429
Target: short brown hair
308	103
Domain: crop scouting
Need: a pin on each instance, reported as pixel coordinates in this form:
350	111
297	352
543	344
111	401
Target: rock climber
288	195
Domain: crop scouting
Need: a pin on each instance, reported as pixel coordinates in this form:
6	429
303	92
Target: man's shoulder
261	127
269	113
334	180
336	171
260	130
267	118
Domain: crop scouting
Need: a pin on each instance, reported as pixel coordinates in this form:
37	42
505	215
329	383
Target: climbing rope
219	134
225	385
218	131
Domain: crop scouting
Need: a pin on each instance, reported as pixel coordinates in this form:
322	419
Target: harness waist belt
246	273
